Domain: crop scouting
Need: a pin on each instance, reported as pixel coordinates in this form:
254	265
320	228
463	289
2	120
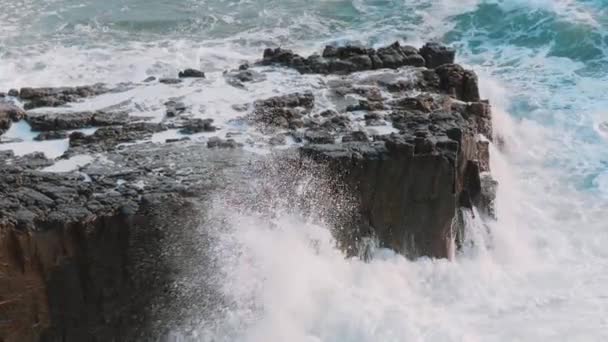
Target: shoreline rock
91	253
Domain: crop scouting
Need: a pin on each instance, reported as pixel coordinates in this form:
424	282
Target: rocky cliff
92	253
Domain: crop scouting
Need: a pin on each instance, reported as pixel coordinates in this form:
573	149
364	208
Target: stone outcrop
412	184
9	113
347	59
92	254
74	120
90	260
55	97
191	73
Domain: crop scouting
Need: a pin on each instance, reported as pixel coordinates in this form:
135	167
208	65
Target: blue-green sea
543	64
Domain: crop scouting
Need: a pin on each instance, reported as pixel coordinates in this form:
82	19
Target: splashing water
540	273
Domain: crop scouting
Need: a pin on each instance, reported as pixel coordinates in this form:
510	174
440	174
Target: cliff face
73	277
92	261
411	184
84	278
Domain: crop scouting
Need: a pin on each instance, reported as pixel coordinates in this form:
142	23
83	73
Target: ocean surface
543	64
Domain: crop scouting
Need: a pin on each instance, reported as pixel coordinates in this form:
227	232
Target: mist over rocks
395	141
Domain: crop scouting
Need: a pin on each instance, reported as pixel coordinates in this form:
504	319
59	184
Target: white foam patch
71	164
22	141
50	148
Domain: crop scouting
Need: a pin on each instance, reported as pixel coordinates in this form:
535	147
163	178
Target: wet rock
365	105
337	123
422	205
319	137
193	126
109	118
283	111
57	230
150	79
170	80
460	83
422	103
172	140
35	160
191	73
74	120
13	92
277	140
106	138
238	78
216	142
9	113
346	59
355	136
55	97
174	108
55	121
80	249
374	119
436	55
51	135
328	113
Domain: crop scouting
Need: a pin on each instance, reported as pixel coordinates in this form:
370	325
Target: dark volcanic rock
409	188
355	136
54	97
82	261
238	78
191	73
174	108
458	82
216	142
170	80
319	137
283	111
193	126
74	120
106	138
113	251
436	54
51	135
346	59
8	114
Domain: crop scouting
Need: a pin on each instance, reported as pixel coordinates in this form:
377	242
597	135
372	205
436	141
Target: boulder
193	126
460	83
51	135
191	73
55	97
435	55
74	120
9	113
284	111
345	59
216	142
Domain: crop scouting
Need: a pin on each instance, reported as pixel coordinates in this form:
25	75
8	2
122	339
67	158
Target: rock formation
89	254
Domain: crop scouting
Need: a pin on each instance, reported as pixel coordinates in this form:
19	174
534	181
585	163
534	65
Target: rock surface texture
92	253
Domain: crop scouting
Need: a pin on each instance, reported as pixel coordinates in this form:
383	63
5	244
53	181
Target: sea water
543	64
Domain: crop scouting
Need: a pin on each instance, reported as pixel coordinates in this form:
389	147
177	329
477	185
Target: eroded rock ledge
91	254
